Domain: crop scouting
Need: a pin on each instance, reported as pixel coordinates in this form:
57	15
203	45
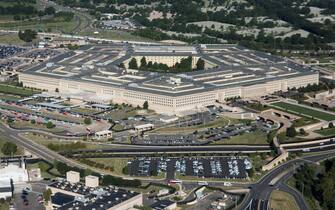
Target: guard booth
144	127
100	135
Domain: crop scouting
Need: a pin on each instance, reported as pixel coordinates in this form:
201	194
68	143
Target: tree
9	148
121	65
50	125
146	105
200	64
133	64
88	121
47	195
56	90
33	121
291	132
28	35
302	131
50	10
330	125
143	62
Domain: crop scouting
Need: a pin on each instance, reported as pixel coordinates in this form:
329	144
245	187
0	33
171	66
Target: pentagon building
100	73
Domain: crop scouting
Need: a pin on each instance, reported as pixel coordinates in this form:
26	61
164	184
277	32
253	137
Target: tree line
184	65
317	184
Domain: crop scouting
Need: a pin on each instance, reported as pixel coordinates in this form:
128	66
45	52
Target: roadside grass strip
304	111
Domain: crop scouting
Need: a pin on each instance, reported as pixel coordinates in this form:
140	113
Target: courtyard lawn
326	132
300	110
304	121
281	200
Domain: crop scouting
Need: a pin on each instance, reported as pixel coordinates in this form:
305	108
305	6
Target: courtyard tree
143	62
133	64
146	105
200	64
291	132
50	10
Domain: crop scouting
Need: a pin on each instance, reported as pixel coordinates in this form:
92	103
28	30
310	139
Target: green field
281	200
19	91
304	121
28	125
3	140
117	163
257	137
10	38
296	109
44	167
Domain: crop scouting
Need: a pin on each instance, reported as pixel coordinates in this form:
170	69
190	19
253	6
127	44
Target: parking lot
211	167
7	51
30	198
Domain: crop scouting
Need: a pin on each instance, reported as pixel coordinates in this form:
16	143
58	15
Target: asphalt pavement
260	192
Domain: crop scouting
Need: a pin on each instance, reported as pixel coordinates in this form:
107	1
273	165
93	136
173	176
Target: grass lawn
4	206
58	116
27	125
10	38
280	200
16	109
84	110
117	163
257	106
304	111
304	121
257	137
43	167
43	140
113	34
20	91
326	132
3	140
53	24
7	97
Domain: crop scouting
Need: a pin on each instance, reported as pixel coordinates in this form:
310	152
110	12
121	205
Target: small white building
6	190
103	134
144	127
15	171
72	176
168	119
91	181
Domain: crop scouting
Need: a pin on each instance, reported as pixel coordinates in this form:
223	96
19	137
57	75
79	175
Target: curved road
260	192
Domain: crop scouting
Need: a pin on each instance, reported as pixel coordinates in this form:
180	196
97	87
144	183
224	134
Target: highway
33	147
260	192
217	149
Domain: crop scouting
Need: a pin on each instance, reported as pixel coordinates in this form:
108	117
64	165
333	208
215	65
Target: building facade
233	72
